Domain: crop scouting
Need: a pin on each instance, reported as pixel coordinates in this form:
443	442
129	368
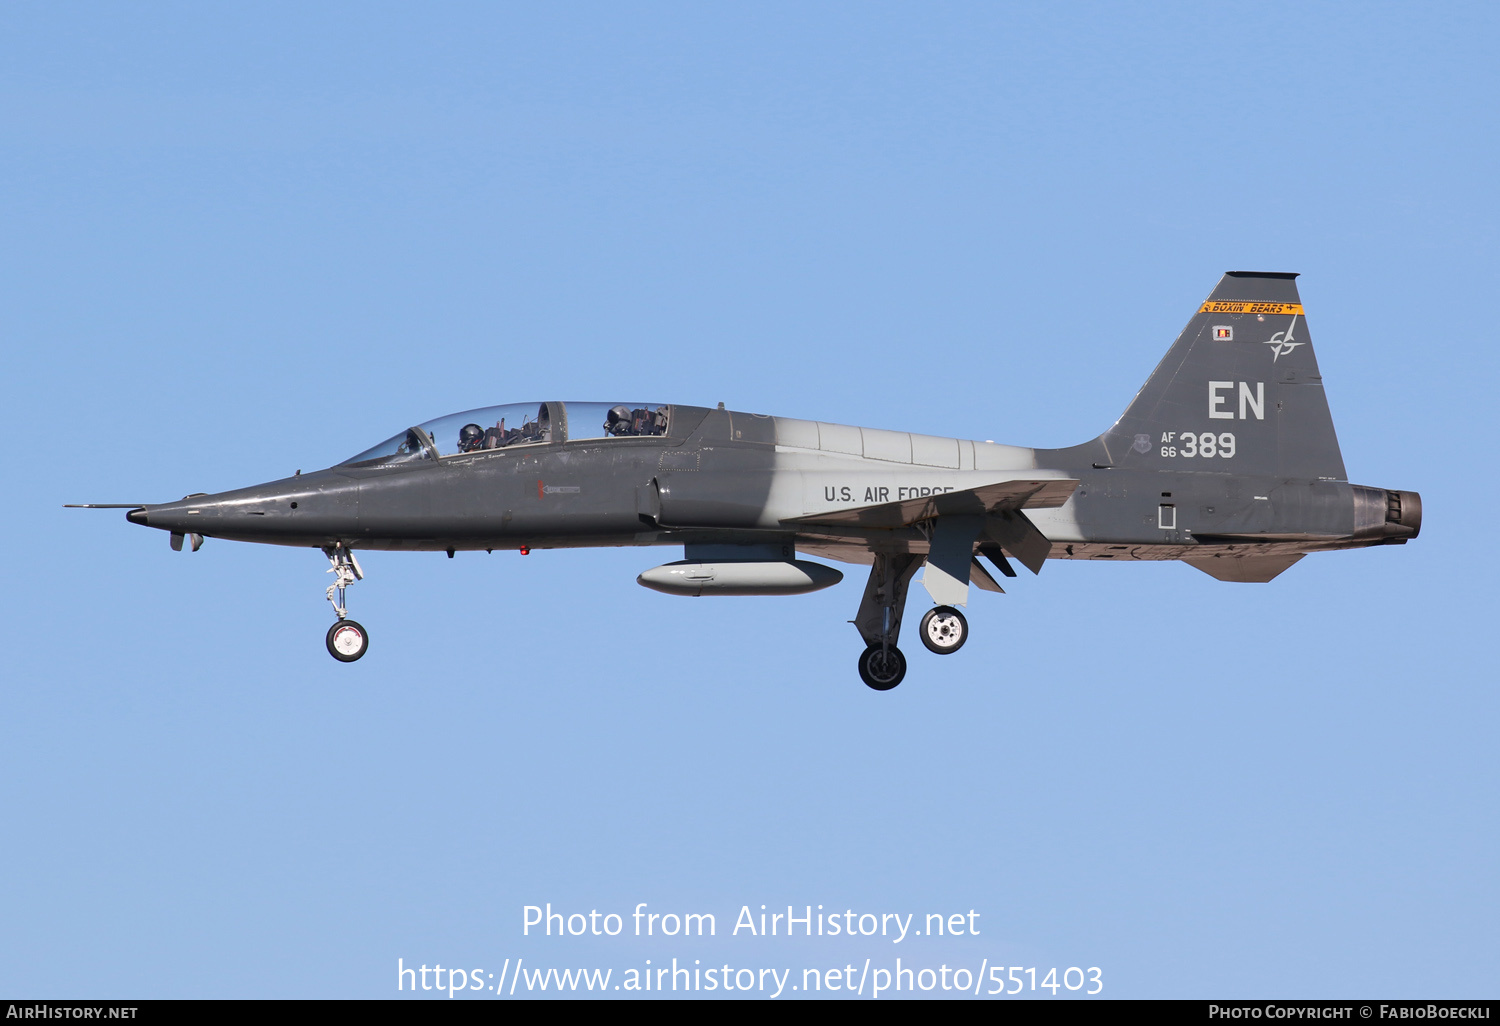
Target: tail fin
1239	391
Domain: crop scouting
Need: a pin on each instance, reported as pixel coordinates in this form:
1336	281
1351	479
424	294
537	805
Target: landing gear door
950	559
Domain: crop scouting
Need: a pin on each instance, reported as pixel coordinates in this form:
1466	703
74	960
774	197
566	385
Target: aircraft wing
1000	497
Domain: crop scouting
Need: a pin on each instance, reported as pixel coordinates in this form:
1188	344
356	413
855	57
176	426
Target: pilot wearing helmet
618	422
470	438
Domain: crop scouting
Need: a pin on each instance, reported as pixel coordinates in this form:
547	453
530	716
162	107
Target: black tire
944	630
882	669
341	641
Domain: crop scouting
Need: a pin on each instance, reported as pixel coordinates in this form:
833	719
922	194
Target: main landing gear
882	668
881	665
347	640
944	630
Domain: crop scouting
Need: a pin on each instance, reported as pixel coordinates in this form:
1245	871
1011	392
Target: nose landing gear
347	640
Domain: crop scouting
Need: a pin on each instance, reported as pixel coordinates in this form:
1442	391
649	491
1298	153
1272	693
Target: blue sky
246	241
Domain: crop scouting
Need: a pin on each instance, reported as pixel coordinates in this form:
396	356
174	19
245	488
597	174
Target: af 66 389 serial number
1205	444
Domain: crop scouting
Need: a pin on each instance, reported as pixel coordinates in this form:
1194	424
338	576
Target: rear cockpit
517	424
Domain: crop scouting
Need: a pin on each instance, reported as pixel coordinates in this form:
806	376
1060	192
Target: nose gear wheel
347	640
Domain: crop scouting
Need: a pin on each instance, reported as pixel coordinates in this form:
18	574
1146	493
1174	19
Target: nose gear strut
347	571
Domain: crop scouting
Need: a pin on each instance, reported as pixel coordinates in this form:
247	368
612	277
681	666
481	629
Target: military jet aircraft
1226	459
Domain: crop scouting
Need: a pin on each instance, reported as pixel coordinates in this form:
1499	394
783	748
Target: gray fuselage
728	478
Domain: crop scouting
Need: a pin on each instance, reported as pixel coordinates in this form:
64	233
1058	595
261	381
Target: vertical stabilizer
1238	392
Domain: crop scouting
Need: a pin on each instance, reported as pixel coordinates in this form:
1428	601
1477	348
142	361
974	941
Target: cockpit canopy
501	427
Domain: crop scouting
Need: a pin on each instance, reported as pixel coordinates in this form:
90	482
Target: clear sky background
239	241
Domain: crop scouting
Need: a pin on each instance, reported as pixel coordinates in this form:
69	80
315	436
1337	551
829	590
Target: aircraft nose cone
137	516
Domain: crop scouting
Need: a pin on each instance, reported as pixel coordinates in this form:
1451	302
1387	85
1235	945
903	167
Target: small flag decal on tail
1223	333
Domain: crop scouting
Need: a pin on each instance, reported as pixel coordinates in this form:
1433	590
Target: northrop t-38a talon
1226	459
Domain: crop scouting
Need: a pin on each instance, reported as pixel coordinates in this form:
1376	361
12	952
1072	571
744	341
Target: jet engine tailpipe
1391	517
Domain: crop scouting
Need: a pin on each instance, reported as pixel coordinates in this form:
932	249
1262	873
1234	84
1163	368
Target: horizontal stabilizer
984	500
1243	569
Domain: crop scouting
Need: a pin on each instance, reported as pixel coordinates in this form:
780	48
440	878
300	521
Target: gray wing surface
1001	497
